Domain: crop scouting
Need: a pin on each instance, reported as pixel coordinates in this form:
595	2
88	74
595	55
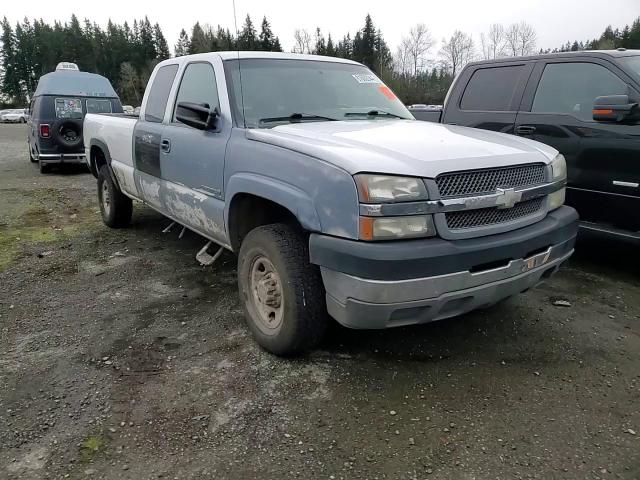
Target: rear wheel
116	208
280	291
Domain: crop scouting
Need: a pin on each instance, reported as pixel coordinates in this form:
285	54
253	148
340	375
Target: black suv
584	104
57	110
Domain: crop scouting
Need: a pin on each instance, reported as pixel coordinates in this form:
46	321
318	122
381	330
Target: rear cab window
95	105
492	89
159	93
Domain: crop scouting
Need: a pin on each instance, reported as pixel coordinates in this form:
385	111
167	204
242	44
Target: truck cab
555	99
337	202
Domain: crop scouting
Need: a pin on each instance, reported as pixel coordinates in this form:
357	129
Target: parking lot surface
121	357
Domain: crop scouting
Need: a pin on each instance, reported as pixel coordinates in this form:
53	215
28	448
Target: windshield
282	91
633	63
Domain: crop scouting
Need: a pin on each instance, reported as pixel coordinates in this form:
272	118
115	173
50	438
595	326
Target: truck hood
403	147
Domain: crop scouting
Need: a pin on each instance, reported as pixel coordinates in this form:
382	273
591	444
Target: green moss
37	217
91	446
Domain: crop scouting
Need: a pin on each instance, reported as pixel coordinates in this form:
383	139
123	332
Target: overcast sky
556	21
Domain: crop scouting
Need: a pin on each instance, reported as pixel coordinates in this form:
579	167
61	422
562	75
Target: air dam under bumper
380	285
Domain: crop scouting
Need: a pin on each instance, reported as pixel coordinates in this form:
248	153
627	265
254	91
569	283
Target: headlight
559	167
556	199
395	228
386	188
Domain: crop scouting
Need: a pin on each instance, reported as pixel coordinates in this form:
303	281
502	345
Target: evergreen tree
183	45
248	39
162	48
199	42
266	39
11	75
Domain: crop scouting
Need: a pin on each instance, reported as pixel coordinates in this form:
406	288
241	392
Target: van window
198	85
159	93
492	89
572	87
98	106
68	108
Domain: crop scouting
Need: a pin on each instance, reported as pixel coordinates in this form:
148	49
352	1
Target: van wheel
280	291
115	207
31	157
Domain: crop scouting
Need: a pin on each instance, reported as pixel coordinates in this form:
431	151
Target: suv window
198	85
572	87
492	89
159	93
68	108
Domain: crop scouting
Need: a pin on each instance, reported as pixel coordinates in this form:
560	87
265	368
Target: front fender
289	196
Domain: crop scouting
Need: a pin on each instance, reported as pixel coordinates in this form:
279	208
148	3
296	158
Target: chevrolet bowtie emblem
507	197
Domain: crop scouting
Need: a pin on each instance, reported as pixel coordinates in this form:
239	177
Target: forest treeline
127	53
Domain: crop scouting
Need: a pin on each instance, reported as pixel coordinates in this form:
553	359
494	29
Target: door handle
165	145
525	130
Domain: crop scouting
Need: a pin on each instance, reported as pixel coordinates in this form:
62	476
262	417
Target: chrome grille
479	182
490	216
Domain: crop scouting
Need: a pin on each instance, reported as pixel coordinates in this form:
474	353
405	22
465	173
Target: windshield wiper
373	113
296	117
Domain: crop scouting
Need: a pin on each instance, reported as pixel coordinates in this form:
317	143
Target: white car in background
127	109
17	115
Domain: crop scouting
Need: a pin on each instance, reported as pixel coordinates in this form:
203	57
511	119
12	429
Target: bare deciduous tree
494	42
521	39
302	41
411	55
457	52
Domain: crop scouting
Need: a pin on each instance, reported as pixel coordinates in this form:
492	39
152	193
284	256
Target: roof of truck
581	53
231	55
74	83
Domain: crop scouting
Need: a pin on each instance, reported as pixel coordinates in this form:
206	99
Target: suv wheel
31	157
115	206
280	291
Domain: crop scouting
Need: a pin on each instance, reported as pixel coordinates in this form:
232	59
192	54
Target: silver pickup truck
333	197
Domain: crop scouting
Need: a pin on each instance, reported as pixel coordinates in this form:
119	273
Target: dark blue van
57	110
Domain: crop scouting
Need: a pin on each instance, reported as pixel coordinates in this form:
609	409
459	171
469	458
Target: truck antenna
235	21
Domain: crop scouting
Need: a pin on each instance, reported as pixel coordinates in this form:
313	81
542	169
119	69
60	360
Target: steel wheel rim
106	198
265	293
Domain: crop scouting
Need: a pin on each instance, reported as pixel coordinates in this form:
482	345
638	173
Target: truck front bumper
380	285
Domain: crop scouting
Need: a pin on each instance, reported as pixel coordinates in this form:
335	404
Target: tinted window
198	85
492	89
159	93
572	87
98	106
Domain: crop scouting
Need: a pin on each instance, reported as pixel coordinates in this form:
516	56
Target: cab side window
198	85
159	93
571	88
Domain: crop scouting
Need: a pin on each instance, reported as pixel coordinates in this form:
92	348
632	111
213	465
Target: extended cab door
603	159
192	160
488	95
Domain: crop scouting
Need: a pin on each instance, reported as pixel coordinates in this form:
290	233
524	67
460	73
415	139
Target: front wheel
280	291
116	208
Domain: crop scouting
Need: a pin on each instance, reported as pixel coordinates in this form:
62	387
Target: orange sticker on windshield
386	91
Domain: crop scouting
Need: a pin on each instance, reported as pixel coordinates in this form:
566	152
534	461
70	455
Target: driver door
192	160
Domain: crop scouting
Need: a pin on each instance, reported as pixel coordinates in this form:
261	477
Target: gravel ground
120	357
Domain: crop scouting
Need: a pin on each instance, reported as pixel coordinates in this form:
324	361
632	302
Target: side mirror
198	115
614	108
